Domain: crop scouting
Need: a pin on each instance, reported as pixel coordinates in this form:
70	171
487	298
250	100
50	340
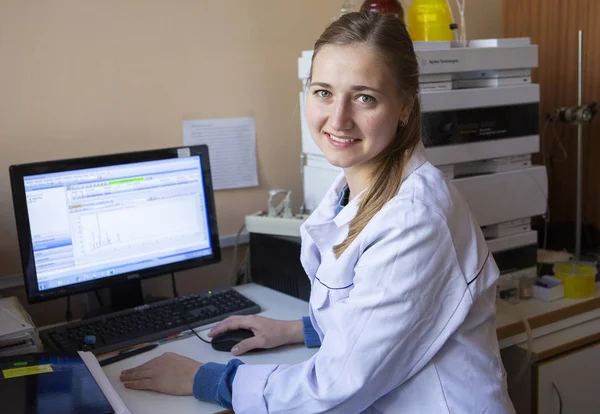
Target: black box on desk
275	263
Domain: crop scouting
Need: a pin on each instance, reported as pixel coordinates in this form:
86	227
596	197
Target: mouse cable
199	337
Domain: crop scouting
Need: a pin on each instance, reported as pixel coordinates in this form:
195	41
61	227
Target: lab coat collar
323	225
320	226
417	159
325	211
349	212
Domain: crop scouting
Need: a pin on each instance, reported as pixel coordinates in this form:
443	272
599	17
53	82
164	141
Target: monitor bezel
19	172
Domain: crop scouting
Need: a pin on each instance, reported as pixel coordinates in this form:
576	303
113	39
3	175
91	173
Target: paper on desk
12	324
12	304
109	392
231	147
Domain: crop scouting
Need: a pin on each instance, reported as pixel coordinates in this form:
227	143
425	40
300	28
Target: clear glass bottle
508	289
526	287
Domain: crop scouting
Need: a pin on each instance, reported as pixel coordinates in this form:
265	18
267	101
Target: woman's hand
169	374
268	333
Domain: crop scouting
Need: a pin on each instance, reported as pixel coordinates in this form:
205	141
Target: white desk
544	317
280	306
274	304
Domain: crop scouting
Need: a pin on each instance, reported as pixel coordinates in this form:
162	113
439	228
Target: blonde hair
389	38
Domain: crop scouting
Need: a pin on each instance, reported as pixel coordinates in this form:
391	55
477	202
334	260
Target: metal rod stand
579	148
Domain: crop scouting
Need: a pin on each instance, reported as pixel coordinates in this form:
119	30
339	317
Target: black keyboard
148	322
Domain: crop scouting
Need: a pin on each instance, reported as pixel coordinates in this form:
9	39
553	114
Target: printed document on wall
231	147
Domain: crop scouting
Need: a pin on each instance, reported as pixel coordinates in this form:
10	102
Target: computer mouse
227	340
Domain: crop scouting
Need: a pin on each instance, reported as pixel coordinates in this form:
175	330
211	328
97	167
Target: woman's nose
341	117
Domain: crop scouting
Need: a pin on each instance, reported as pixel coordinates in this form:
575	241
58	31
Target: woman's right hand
268	333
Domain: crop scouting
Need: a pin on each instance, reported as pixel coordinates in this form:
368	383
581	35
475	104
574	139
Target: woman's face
352	107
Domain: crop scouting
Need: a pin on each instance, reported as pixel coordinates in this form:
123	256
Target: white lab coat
406	315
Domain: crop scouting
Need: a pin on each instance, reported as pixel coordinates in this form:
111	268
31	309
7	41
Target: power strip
259	222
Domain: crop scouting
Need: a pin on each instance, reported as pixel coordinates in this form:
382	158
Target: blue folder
49	383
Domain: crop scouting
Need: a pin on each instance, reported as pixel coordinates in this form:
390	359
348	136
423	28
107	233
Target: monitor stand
126	295
123	296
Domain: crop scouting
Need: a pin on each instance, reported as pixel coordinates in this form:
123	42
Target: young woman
403	285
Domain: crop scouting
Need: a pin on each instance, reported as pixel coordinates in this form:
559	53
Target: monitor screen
88	226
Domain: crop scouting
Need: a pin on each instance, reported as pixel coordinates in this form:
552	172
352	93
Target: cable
68	314
529	352
174	284
99	298
234	270
549	161
249	267
560	403
462	28
247	275
243	273
199	337
558	141
545	162
509	309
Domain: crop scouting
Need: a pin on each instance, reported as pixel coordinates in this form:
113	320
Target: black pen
126	354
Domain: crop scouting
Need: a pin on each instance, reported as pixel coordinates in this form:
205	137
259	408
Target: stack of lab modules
481	127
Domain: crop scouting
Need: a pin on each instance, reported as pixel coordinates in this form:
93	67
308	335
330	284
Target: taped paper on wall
231	146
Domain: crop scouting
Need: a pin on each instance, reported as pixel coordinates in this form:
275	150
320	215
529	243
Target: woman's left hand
169	374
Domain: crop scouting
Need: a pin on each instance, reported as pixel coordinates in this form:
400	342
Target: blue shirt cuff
311	337
214	382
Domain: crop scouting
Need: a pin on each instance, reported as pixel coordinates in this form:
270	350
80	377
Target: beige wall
84	77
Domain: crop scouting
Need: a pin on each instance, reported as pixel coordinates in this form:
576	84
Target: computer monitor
112	220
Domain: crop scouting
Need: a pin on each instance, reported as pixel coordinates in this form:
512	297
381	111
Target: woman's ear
406	110
408	106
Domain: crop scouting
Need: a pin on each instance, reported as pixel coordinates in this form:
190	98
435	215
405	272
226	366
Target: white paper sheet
109	392
12	325
231	147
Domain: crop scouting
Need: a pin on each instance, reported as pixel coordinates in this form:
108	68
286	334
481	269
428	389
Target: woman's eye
323	94
367	99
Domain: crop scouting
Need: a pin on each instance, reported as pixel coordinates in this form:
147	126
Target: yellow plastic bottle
429	21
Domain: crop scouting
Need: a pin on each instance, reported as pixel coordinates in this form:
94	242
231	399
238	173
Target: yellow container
579	279
429	21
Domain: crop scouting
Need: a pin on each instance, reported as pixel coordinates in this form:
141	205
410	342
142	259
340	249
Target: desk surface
274	304
544	317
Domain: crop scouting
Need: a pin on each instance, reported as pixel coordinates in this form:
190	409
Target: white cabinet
564	369
571	380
